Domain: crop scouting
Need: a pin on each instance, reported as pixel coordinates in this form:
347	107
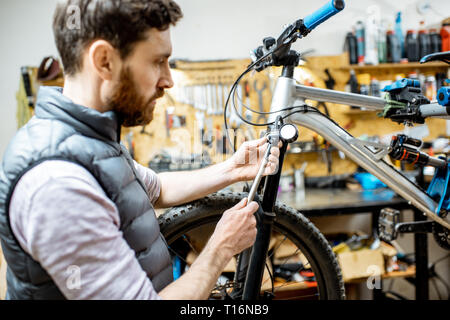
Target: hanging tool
226	92
200	117
260	100
220	93
27	86
248	113
202	97
143	131
207	98
190	95
235	120
196	97
233	117
168	123
220	99
214	97
330	82
218	135
225	88
239	101
130	141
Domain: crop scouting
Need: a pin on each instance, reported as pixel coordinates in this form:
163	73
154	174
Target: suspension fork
252	261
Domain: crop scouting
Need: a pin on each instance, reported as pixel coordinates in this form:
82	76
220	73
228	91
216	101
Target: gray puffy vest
63	130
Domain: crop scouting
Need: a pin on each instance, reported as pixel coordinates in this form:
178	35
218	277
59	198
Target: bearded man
73	203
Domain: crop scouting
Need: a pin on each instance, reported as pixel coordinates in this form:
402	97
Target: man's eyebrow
165	55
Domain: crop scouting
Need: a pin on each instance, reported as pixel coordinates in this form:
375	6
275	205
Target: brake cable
301	108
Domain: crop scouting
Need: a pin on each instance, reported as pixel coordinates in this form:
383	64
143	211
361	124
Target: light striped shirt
62	217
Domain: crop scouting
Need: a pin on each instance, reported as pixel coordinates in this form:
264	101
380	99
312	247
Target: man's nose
166	80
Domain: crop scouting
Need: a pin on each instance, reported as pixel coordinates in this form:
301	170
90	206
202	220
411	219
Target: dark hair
123	23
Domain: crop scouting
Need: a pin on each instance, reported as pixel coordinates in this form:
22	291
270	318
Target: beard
131	108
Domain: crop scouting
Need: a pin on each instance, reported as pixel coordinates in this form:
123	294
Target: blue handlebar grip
322	14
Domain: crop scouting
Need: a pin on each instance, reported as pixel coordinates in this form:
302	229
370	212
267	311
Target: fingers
256	143
243	208
262	144
236	229
275	150
241	204
270	169
273	159
274	154
249	211
251	207
260	141
272	165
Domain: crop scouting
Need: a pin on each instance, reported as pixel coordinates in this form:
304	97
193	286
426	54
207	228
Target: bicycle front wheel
300	262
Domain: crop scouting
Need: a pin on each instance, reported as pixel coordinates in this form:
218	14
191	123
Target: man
76	212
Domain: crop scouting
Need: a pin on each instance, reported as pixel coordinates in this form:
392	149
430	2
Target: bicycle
263	271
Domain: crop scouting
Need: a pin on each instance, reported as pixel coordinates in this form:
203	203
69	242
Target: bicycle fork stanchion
265	218
244	257
258	255
255	268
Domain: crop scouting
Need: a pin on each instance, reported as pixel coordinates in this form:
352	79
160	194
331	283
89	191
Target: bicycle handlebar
434	110
275	52
324	13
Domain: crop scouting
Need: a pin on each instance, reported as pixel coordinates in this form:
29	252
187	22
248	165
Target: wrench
239	93
260	100
220	95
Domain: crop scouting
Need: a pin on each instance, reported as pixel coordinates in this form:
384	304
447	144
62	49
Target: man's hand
245	163
236	230
185	186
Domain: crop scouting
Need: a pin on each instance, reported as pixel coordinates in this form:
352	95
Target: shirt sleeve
151	181
71	228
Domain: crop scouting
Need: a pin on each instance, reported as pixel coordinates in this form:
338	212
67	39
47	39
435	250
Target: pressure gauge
289	132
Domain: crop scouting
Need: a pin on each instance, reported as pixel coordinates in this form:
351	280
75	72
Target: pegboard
199	95
190	76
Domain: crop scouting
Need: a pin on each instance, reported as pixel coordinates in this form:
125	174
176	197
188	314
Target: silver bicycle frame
367	155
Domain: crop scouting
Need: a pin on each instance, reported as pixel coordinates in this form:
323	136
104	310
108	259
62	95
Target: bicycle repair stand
420	227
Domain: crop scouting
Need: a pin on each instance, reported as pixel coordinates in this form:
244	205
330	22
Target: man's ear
104	59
